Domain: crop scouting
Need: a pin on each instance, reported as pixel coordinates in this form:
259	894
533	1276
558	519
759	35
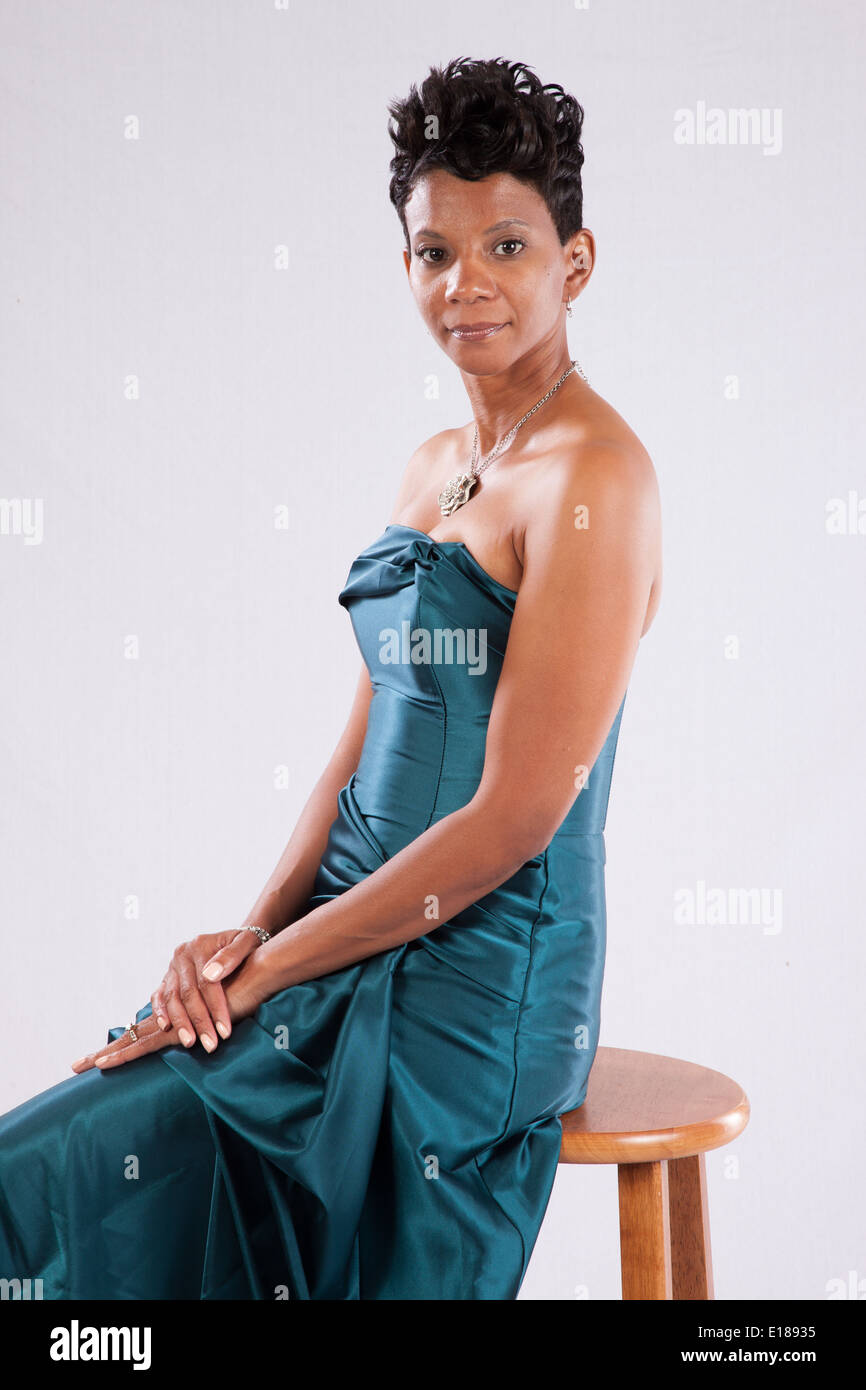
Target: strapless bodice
432	626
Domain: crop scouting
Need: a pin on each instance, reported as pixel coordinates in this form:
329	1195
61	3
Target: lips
469	332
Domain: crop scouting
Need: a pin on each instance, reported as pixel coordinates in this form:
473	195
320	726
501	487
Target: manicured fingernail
186	1037
222	1030
79	1063
162	1020
207	1042
212	971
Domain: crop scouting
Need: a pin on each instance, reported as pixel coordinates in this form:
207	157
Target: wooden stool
655	1118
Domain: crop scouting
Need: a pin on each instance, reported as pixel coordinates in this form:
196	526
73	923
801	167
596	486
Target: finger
197	1009
89	1059
173	1006
180	1019
222	962
218	1007
148	1036
158	1008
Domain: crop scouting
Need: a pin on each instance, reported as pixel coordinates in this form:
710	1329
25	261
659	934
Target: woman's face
487	253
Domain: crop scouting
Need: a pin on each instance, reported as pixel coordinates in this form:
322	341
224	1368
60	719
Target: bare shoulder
602	450
416	473
598	469
597	454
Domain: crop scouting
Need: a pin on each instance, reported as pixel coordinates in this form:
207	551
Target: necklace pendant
456	493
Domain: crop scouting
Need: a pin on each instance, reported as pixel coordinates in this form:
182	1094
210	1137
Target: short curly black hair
492	116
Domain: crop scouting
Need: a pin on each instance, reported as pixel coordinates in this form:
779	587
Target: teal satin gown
386	1131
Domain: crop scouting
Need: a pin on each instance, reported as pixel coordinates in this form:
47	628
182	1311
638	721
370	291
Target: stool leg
644	1230
691	1258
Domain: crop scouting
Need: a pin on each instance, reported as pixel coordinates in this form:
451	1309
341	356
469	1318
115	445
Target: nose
468	281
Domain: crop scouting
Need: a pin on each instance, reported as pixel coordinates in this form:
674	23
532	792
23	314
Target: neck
498	401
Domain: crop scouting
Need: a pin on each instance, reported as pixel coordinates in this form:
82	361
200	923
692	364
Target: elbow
515	833
532	837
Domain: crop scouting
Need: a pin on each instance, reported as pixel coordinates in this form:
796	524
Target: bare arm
290	885
572	643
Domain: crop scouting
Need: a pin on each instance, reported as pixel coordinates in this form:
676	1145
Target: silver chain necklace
457	491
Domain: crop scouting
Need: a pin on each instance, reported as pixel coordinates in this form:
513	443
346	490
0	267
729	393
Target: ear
580	259
407	260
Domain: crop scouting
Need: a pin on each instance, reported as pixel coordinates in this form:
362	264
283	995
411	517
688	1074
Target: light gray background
741	755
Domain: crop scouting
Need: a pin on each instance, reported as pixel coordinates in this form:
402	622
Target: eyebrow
497	227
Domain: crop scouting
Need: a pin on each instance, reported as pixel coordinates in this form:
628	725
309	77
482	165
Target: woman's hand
227	1002
187	1004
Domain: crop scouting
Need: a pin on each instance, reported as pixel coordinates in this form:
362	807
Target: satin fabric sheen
387	1131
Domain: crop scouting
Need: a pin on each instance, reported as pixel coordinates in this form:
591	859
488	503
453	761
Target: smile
475	332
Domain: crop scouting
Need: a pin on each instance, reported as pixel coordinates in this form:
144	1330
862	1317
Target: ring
131	1031
260	933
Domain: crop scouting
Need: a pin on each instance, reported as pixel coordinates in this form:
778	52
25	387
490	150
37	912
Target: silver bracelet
260	933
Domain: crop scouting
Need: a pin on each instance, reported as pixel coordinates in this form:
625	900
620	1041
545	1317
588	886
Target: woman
356	1095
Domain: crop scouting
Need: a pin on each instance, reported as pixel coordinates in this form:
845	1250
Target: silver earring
568	307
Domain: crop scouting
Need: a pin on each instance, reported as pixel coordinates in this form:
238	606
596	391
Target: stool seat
641	1107
655	1117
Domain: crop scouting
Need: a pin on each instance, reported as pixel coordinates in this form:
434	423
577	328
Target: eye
422	249
511	241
